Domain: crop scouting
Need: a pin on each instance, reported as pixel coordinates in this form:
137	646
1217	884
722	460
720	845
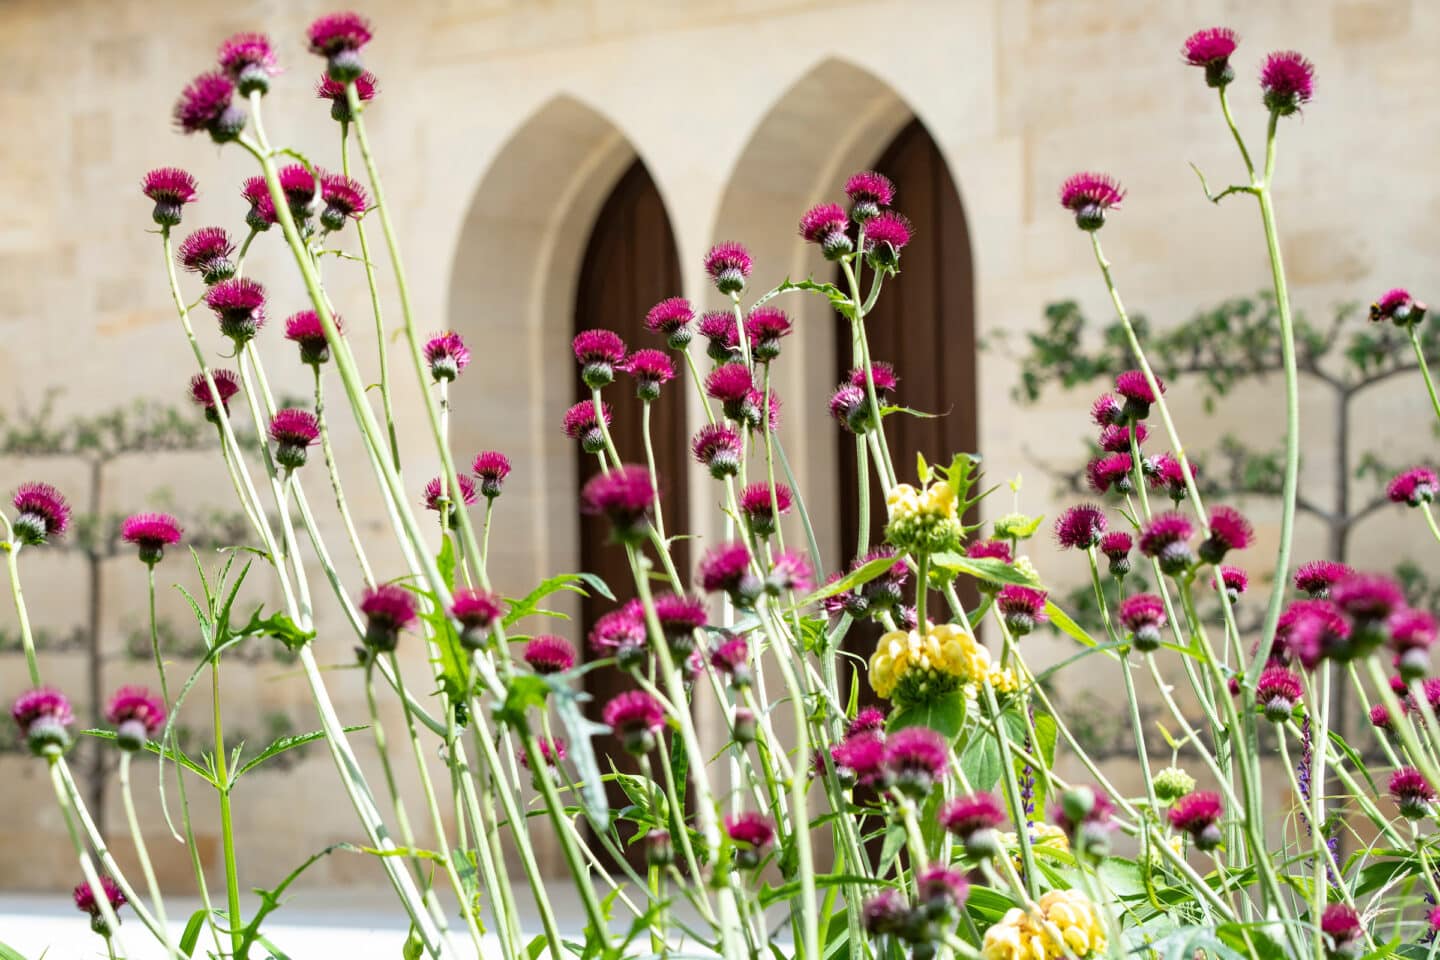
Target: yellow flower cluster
909	667
926	520
1064	920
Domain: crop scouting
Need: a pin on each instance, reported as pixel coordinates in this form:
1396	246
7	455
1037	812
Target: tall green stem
227	825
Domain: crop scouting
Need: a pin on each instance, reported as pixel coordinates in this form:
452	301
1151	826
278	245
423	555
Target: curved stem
142	853
1424	368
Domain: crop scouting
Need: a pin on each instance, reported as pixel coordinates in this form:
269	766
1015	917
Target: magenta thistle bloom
732	658
679	618
1229	530
1367	596
1198	814
916	758
85	902
620	633
239	305
40	513
305	329
446	355
990	550
1318	576
1080	527
339	38
1277	691
205	105
1166	539
249	60
1411	792
137	715
344	198
885	237
1107	410
791	573
1090	196
722	338
827	225
1380	716
651	369
671	318
719	448
869	193
1315	630
1135	389
366	86
459	492
1341	925
171	188
207	252
1022	608
766	326
1088	816
760	507
1116	547
886	913
1115	438
152	533
861	759
548	653
754	410
299	186
624	495
261	215
552	752
599	352
867	720
492	467
636	717
293	431
1114	470
1287	81
881	373
728	265
475	611
1234	580
1414	486
851	408
729	383
581	423
973	820
1143	614
1411	635
726	567
1168	473
43	716
226	385
941	891
388	610
752	834
1398	307
1211	49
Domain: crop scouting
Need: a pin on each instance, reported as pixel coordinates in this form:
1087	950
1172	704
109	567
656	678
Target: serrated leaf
277	625
281	744
581	731
569	582
524	690
152	746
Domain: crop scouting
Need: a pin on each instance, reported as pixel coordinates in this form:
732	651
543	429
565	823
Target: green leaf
282	744
454	659
1063	622
525	690
944	714
529	605
277	625
850	581
445	563
894	841
981	762
174	756
985	568
9	953
191	936
581	730
537	946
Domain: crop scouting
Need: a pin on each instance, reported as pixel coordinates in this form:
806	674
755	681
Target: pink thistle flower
1367	596
861	759
299	186
552	752
1198	814
885	591
366	86
869	192
636	717
1277	691
941	891
1167	473
973	820
851	408
207	252
170	188
1090	196
446	355
881	373
1411	792
731	384
41	513
1398	307
1318	576
1341	925
1229	530
624	495
205	105
732	658
239	306
651	369
460	492
1022	608
679	618
1211	48
43	716
261	215
1107	411
137	715
1112	471
85	902
729	266
306	330
754	410
867	720
339	38
226	385
476	611
752	834
152	533
598	352
1413	487
1166	539
1116	547
344	197
548	653
620	633
766	326
916	758
1411	634
293	431
581	423
492	467
990	550
1080	527
1143	614
1234	580
1380	716
1115	438
388	610
1315	630
827	226
249	60
1287	81
760	507
1132	385
719	448
723	339
726	567
886	913
671	318
885	237
1087	816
